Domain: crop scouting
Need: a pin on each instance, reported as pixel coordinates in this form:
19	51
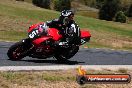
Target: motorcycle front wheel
17	51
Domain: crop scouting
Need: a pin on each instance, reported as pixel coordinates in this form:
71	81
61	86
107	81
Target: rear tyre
65	54
16	52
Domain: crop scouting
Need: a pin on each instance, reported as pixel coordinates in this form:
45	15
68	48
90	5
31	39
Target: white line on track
63	67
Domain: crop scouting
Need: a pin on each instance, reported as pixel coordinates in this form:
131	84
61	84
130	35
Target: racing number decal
33	33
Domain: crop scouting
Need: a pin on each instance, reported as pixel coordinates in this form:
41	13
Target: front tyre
16	51
65	54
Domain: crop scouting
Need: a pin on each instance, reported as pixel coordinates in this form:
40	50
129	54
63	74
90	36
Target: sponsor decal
83	78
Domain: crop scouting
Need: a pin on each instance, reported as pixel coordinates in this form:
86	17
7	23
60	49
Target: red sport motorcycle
44	47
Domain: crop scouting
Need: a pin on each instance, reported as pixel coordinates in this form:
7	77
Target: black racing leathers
70	32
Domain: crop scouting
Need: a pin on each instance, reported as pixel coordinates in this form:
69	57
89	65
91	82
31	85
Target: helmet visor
66	20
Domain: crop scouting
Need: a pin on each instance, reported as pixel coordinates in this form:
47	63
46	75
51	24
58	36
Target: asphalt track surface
83	57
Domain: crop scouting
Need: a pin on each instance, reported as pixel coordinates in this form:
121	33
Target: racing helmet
66	16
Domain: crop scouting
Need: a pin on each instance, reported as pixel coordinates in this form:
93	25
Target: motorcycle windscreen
54	33
85	34
34	26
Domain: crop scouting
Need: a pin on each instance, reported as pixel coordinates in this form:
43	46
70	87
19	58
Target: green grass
88	13
16	17
41	15
34	78
122	70
99	25
29	1
12	35
56	79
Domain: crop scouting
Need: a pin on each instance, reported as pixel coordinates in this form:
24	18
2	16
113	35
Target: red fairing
40	40
34	26
54	33
85	34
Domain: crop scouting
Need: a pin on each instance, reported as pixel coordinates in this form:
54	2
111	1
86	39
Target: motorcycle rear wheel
64	55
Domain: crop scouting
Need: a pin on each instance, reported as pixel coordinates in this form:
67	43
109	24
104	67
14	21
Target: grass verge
52	79
16	17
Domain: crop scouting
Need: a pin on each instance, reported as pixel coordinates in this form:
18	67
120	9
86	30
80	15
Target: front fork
27	45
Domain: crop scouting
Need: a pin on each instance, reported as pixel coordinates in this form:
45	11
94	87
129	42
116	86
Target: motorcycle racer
61	40
67	27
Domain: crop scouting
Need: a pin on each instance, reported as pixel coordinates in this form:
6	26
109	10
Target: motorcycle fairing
54	33
85	34
40	40
34	26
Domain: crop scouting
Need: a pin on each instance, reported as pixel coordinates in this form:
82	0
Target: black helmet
65	16
66	13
